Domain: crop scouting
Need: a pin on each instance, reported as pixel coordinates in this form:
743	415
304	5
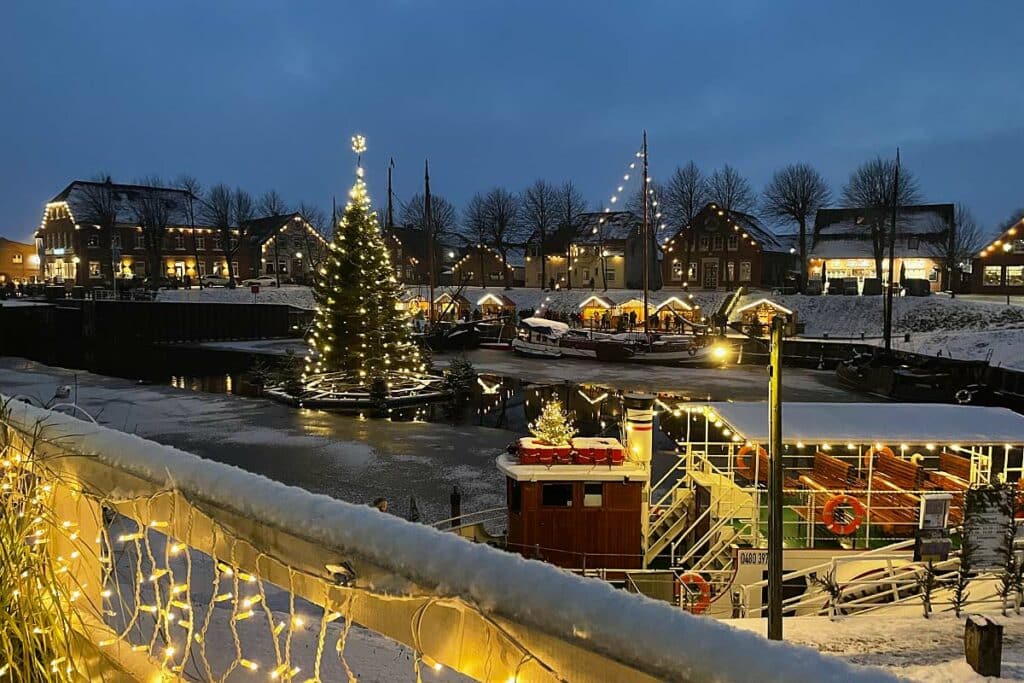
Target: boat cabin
755	318
579	506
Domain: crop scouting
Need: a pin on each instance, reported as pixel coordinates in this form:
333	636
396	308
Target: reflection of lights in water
488	388
594	401
228	387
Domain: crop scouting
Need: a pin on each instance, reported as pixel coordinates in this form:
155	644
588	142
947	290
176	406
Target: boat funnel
639	426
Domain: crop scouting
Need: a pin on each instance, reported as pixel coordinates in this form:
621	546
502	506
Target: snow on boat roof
627	471
554	325
876	422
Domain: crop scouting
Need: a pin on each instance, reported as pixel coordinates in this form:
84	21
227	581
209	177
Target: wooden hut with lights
451	306
756	317
594	308
494	305
415	304
635	307
672	309
999	267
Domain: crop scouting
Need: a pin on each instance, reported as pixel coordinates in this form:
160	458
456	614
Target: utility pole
645	184
391	204
775	482
887	332
429	227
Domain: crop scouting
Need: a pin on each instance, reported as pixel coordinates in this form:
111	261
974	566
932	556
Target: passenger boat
544	338
858	477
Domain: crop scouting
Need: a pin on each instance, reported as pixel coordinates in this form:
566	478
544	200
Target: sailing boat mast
391	199
887	332
645	188
429	227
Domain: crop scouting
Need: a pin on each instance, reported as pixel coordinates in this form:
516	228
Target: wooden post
456	504
983	645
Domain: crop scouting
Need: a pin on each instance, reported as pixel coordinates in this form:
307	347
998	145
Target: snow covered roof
552	327
918	219
603	226
77	197
675	302
627	471
888	423
499	299
755	304
712	218
602	301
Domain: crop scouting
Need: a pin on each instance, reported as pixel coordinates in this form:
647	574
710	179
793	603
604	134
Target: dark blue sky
266	94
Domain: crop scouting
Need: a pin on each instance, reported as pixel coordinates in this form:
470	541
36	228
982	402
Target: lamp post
775	482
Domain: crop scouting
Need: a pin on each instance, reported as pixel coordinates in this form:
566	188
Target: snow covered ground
911	647
960	328
563	301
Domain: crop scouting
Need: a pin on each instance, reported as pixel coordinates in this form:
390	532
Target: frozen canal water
358	460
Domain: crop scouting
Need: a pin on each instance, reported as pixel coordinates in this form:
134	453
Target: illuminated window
234	268
730	271
744	271
17	258
992	276
677	271
200	242
609	274
593	495
1015	276
692	275
94	269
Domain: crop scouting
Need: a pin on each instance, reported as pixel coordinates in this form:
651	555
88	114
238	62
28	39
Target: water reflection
495	401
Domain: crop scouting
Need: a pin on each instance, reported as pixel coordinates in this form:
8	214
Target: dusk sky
267	94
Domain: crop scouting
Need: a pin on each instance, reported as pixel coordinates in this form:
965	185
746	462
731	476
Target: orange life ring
828	515
872	452
741	464
694	579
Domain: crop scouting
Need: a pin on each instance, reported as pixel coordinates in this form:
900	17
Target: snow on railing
197	569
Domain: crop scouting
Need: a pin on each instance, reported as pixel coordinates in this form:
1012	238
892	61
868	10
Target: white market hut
594	308
756	317
493	305
673	308
448	306
635	306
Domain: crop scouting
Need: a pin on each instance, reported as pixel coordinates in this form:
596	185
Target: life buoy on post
872	452
741	463
704	592
828	515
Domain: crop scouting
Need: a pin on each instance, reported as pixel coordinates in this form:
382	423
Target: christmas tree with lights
359	336
553	427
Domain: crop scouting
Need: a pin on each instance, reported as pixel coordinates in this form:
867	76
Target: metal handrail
444	523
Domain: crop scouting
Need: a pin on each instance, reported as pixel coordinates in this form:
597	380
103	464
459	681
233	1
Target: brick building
92	232
726	249
999	267
19	262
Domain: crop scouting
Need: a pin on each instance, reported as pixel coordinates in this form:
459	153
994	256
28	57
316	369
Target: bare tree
870	188
539	216
442	213
795	193
313	246
571	205
272	204
1014	218
230	213
686	193
965	239
99	210
504	227
731	191
193	204
153	212
476	228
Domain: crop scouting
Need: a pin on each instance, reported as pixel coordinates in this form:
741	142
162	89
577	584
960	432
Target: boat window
556	495
515	496
593	495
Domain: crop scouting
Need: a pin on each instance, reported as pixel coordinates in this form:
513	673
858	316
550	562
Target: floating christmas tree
553	427
358	330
